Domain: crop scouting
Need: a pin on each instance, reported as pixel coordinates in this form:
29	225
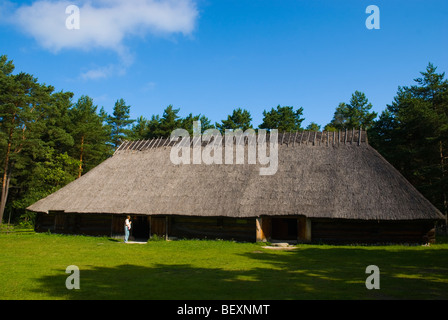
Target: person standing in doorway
127	228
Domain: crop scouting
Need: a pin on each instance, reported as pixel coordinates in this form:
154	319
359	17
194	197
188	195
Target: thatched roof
320	175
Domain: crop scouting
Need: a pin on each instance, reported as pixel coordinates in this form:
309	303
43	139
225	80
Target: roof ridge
304	137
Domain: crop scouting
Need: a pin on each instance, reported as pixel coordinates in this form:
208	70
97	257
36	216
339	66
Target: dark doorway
140	227
284	228
158	226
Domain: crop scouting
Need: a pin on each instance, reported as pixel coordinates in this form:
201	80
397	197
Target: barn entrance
140	228
284	228
159	226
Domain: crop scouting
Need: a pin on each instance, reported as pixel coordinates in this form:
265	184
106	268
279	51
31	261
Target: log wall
44	222
213	228
84	224
339	231
332	231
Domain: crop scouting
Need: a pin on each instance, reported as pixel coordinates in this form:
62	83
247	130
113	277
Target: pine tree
353	115
313	126
412	133
139	129
91	136
239	119
187	123
169	122
119	122
284	119
21	99
161	127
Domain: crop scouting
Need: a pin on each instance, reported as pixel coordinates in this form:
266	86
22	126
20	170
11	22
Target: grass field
32	266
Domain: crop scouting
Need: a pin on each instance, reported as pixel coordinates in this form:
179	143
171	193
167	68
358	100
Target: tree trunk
2	207
444	191
5	181
80	157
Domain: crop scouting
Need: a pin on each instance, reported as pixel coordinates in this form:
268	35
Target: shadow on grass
306	273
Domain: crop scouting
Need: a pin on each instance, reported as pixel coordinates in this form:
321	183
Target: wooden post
263	229
111	225
304	229
359	136
166	227
260	236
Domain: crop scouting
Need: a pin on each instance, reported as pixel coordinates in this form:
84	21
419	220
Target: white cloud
98	73
103	24
149	86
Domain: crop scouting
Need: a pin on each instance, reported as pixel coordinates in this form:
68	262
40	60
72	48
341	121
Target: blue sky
213	56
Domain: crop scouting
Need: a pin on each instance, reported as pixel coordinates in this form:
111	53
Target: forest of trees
48	140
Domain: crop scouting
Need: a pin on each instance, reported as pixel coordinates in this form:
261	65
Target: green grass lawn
32	266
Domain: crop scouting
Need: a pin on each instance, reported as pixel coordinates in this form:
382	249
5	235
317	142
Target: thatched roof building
328	187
